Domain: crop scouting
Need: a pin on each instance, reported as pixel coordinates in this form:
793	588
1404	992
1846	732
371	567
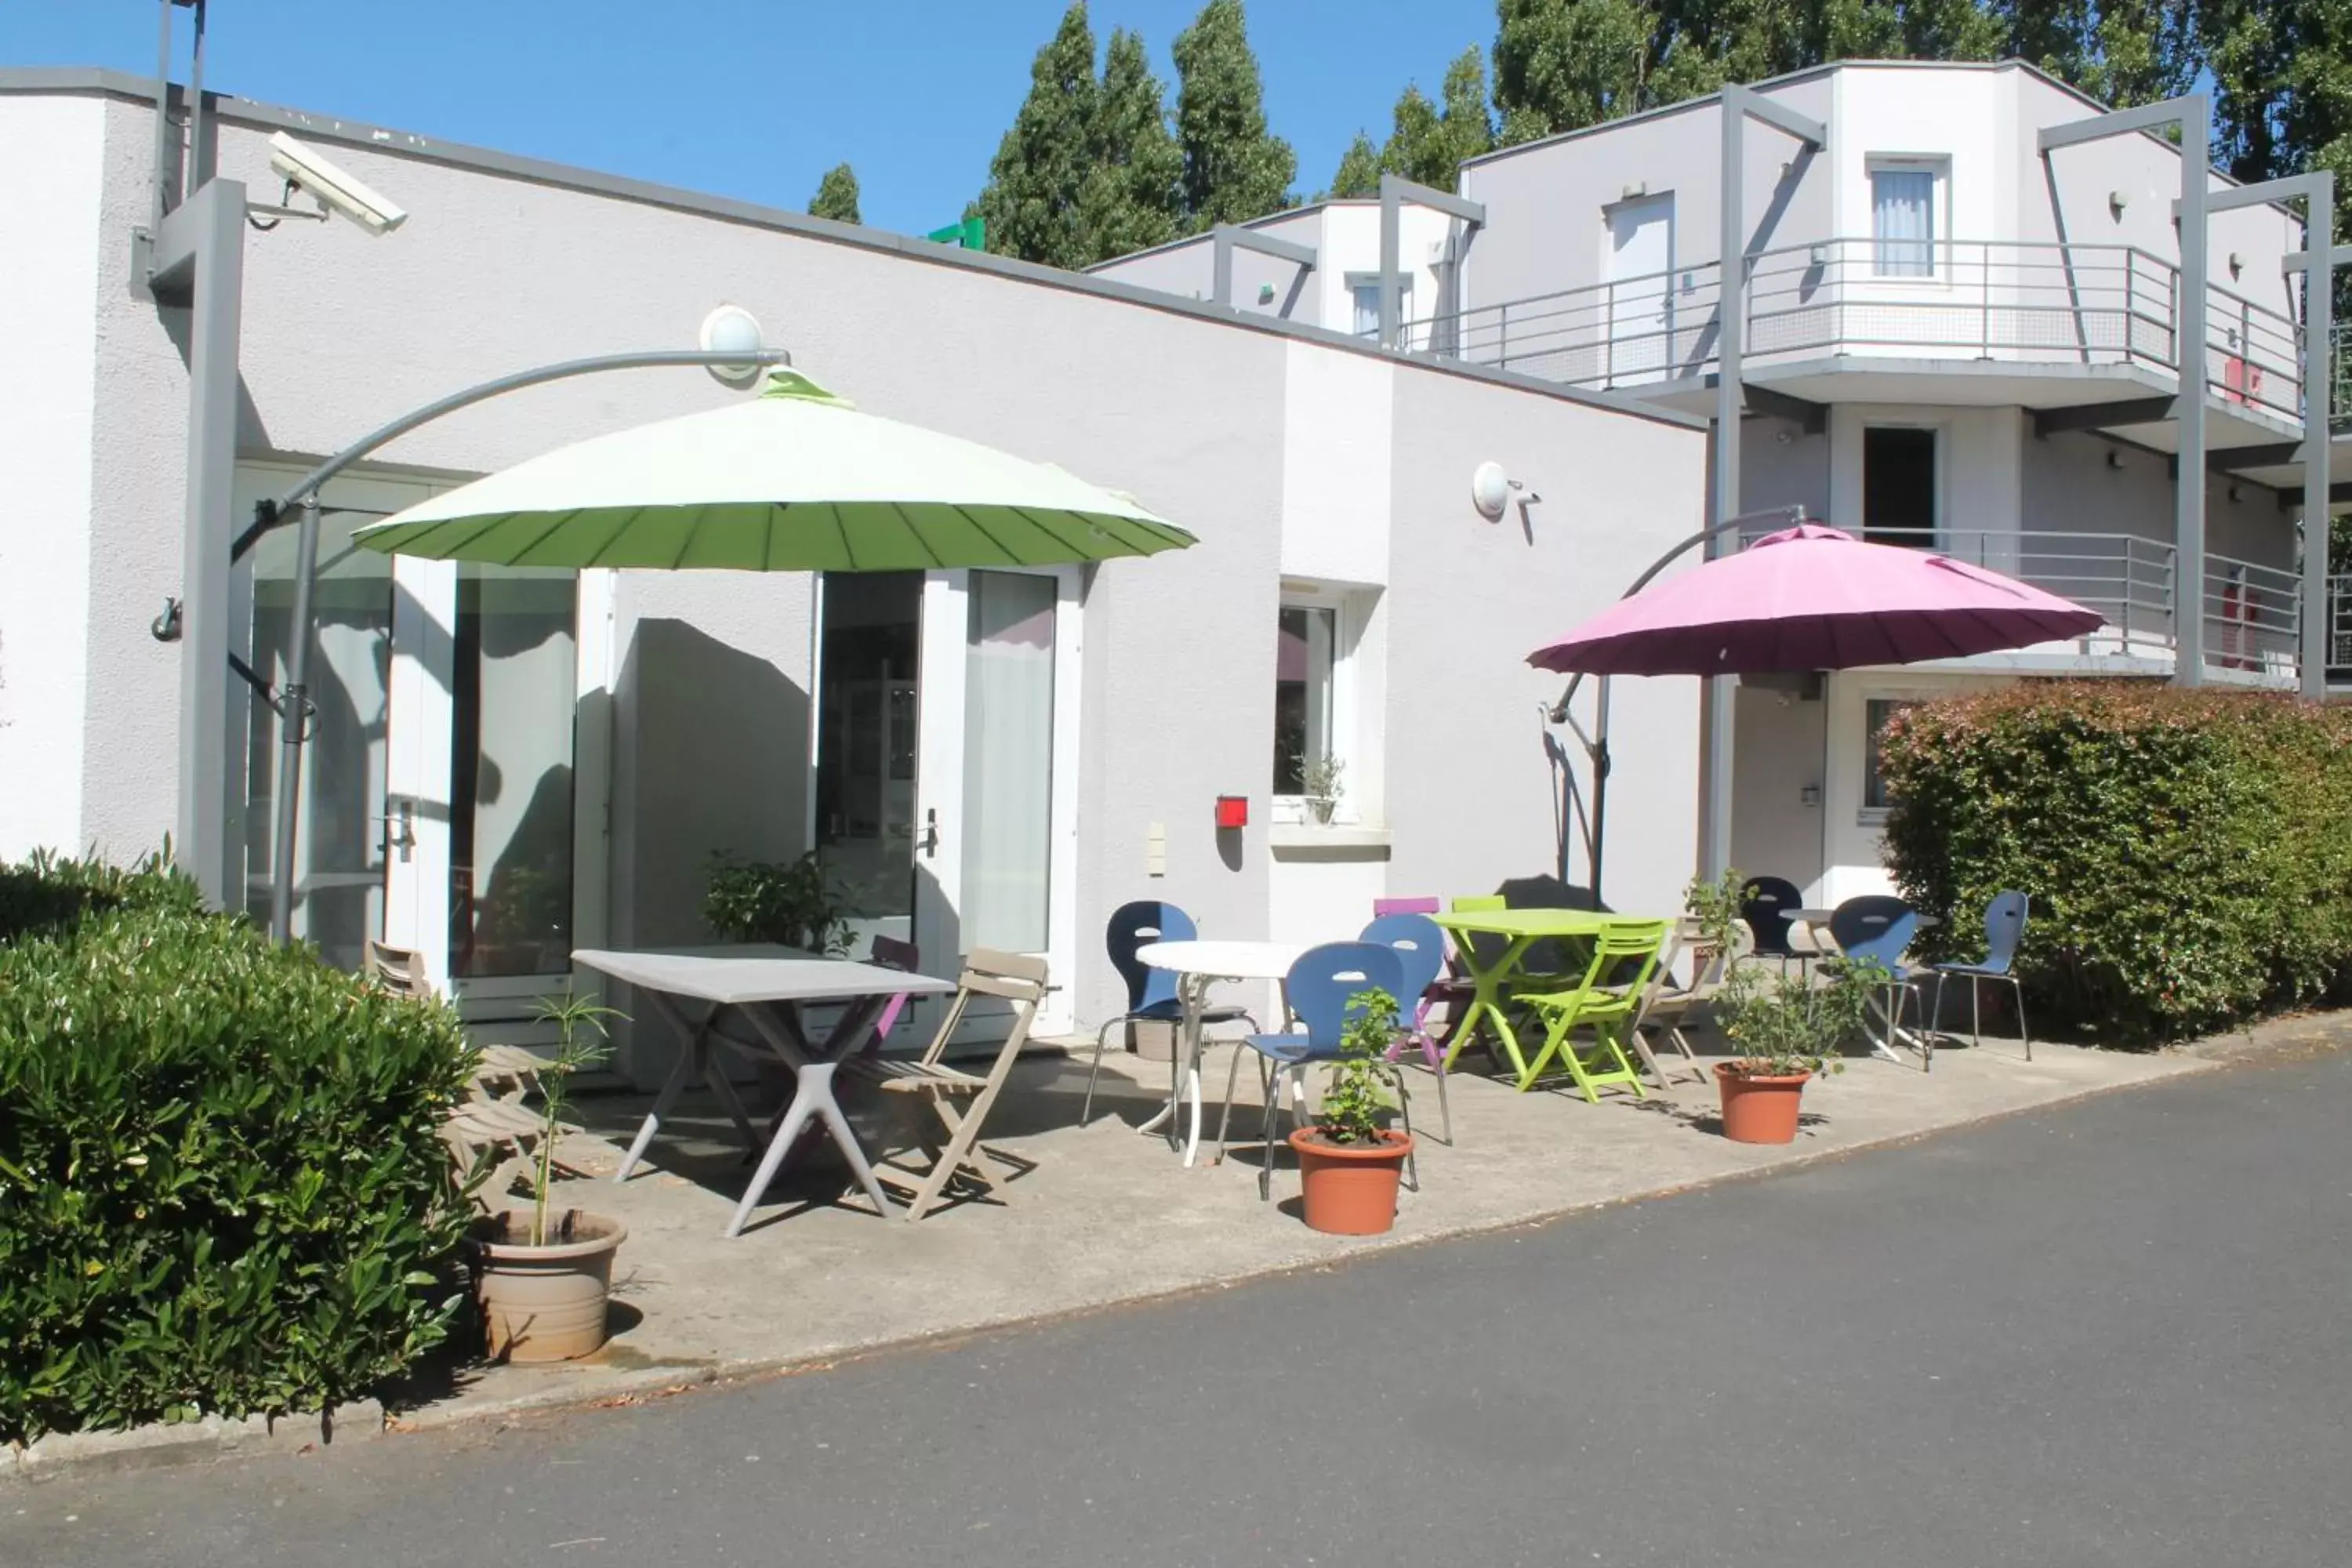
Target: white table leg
694	1048
1188	1045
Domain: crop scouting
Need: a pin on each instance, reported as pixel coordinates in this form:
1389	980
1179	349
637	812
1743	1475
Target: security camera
338	192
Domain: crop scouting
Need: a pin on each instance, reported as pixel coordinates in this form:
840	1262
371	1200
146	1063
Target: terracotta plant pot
1352	1188
1758	1110
543	1303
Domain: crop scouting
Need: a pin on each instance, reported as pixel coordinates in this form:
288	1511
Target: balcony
2022	304
2251	620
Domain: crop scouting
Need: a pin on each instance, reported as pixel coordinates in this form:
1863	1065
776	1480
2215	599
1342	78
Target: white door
440	807
1638	268
946	797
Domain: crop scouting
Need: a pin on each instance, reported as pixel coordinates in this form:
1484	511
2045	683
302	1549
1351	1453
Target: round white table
1198	965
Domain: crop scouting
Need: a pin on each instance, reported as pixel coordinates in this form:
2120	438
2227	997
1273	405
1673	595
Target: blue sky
752	99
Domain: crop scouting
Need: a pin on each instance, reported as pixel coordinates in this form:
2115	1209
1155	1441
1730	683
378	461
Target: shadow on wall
710	753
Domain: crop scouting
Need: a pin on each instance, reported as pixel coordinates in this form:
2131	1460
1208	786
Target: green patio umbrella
793	481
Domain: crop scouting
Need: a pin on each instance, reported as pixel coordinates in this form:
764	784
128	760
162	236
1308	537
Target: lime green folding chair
1604	1008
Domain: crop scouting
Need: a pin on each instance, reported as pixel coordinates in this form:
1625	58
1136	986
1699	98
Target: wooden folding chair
1013	977
1667	1006
491	1122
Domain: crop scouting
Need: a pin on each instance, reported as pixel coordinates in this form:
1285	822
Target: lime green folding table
1493	974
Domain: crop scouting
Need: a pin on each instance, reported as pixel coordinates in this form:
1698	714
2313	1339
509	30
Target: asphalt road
2110	1334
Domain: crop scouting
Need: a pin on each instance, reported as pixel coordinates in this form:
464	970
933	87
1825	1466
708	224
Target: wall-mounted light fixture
2237	494
1491	491
1810	795
730	329
1635	191
1265	293
2237	265
2115	458
2116	201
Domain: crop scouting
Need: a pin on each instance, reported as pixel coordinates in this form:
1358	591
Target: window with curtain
1903	221
1364	293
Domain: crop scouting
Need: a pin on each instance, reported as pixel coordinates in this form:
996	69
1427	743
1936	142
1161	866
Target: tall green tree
1234	168
1428	142
1037	182
1562	65
2122	52
1359	174
837	195
1129	200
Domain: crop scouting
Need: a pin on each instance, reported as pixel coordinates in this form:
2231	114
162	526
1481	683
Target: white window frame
1937	166
1352	613
1943	435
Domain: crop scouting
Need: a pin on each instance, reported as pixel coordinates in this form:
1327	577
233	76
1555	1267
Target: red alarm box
1233	811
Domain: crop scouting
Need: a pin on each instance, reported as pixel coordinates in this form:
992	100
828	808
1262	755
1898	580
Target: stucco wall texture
496	271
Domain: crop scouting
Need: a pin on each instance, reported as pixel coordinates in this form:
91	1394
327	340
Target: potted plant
792	904
541	1277
1716	906
1322	784
1788	1026
1349	1161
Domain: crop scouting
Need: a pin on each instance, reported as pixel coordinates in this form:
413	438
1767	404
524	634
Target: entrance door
438	799
1639	270
947	778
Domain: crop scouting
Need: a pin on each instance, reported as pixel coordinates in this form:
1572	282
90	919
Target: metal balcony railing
1975	299
2251	613
2339	629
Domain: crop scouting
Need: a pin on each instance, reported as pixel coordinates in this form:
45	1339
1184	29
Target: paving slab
1105	1215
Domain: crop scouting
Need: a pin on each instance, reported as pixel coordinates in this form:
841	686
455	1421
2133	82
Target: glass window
1877	710
514	685
1008	761
1304	652
871	635
1903	221
1364	290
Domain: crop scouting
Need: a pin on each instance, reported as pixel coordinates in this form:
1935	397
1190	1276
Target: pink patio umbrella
1811	598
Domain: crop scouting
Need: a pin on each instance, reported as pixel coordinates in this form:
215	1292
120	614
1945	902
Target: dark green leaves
2188	854
837	195
221	1176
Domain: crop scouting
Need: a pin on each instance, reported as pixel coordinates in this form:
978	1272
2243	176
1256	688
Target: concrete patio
1108	1216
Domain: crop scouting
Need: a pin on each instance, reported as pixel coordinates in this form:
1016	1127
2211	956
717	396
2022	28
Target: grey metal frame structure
2191	115
1739	105
292	702
1226	239
1394	194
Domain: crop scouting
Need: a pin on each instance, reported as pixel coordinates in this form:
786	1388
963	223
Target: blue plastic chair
1419	948
1319	989
1151	993
1764	904
1878	927
2004	923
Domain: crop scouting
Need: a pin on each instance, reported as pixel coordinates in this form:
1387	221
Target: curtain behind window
1903	222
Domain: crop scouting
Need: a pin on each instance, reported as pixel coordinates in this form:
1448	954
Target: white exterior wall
1283	454
51	165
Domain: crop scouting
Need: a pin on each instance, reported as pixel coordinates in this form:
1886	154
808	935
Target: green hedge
2188	853
221	1184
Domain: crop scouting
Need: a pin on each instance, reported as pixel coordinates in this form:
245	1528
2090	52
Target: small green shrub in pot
1790	1022
221	1183
1716	906
1356	1103
1349	1162
791	904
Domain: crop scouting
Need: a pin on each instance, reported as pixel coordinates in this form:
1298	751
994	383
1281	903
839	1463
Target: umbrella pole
293	706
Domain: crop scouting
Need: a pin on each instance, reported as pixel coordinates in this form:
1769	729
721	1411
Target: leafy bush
2188	853
221	1182
793	904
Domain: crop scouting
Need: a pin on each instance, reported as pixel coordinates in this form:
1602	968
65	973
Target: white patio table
772	986
1198	965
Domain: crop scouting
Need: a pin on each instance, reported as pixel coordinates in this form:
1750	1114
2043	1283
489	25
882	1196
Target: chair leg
1444	1110
1225	1120
1102	1037
1976	1012
1404	1109
1265	1158
2024	1038
1935	1017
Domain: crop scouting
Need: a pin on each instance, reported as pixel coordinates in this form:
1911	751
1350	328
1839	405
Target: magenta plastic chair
1403	907
890	952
